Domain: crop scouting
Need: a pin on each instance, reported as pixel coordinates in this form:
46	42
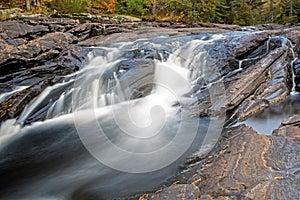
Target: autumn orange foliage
110	6
106	5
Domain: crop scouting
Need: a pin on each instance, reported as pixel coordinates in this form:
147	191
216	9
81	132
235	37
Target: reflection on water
269	119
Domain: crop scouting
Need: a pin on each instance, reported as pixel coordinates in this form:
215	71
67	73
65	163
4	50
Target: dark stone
15	104
17	29
34	52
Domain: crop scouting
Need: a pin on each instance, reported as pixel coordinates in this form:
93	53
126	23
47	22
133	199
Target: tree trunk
271	10
28	5
291	7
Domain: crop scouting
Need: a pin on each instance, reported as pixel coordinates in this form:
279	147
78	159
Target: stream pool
269	119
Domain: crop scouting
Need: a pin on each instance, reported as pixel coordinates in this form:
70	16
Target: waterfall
286	42
112	122
293	92
6	94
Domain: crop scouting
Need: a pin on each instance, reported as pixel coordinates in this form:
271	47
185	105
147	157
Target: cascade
286	42
92	128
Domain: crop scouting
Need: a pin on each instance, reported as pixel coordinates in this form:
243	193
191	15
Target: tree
271	10
289	11
246	15
108	6
136	7
222	11
232	11
28	5
152	4
36	4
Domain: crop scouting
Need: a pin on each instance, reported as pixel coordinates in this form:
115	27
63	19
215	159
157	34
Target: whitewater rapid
109	130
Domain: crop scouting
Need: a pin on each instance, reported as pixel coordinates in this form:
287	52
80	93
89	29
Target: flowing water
122	125
116	127
3	96
269	119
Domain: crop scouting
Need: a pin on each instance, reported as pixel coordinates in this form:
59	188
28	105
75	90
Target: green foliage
243	12
289	11
70	6
194	15
222	11
136	7
121	7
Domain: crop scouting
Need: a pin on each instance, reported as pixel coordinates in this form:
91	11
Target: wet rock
5	47
15	104
19	29
70	60
291	121
29	61
87	30
222	26
67	62
267	85
296	68
244	165
16	42
290	128
293	33
272	26
34	52
251	88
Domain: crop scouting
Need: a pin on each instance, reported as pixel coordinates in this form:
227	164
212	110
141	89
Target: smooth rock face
253	77
258	87
180	191
244	165
296	68
290	128
38	52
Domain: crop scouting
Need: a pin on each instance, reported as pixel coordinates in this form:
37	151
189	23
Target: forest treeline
242	12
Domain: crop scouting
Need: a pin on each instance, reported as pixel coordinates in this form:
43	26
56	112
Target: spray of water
150	128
